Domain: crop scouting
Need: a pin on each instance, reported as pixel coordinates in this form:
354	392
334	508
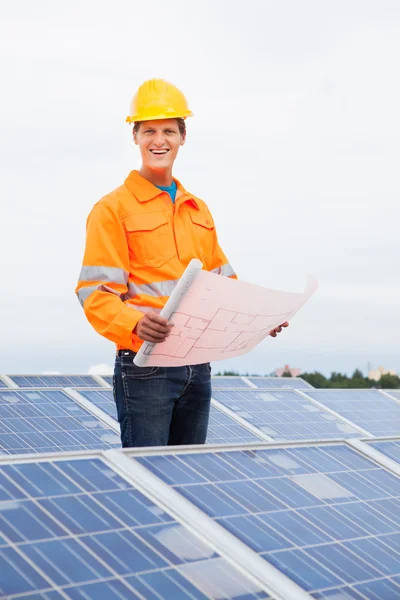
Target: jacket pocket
150	239
203	226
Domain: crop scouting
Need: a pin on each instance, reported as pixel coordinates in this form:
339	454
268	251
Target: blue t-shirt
171	189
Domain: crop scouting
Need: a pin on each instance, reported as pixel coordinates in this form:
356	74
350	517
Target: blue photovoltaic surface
108	379
326	516
49	421
223	382
285	415
369	409
102	398
390	448
78	527
394	393
2	384
293	383
37	381
222	429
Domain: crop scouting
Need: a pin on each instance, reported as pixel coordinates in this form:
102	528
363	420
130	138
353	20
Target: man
140	238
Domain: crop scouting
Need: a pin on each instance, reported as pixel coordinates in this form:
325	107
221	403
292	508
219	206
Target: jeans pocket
129	369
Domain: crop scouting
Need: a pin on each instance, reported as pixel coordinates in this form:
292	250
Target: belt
126	353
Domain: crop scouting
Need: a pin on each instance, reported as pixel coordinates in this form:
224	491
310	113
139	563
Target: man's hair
181	125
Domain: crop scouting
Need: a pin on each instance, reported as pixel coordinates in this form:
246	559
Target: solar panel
35	381
375	412
108	379
390	448
2	384
102	398
325	515
223	382
222	428
285	415
293	383
75	529
49	421
394	393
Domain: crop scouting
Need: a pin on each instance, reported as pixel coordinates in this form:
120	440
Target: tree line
337	380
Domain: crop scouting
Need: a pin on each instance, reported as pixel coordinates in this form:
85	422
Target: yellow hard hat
158	99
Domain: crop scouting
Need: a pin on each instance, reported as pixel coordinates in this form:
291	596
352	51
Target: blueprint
216	318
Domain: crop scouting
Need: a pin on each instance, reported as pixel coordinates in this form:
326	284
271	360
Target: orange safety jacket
138	244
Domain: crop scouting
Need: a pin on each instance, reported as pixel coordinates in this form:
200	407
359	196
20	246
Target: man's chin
159	165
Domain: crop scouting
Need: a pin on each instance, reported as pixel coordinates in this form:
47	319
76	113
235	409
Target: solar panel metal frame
360	447
103	378
92	408
8	382
364	445
186	513
243	558
389	394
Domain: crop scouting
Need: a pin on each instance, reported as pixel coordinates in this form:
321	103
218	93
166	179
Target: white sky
294	146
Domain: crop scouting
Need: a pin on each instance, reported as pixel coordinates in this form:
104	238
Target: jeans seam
189	381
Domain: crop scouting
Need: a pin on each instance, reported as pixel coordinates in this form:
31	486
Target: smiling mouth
160	152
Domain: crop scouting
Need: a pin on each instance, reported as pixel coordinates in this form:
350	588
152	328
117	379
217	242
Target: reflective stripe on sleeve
144	309
106	274
225	270
85	292
161	288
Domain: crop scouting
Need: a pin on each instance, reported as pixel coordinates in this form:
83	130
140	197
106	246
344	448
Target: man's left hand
278	329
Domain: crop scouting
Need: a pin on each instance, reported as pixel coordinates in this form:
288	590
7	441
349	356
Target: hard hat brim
160	116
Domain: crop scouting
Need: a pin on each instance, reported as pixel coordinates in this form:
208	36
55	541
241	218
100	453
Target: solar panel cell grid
294	383
222	382
78	527
49	421
369	409
222	428
36	381
391	449
285	415
324	515
103	399
108	379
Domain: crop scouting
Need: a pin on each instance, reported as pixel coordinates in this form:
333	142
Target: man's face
159	142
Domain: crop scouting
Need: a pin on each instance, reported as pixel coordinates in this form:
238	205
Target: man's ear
135	138
183	140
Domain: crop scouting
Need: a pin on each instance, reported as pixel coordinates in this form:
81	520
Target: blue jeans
160	406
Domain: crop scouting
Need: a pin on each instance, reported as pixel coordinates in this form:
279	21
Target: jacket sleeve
103	280
220	264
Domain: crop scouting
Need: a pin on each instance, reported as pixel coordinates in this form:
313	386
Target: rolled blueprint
171	306
216	317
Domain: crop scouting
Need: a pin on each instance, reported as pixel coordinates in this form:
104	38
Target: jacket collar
144	190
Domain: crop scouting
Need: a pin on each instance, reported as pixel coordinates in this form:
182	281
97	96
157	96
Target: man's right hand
152	328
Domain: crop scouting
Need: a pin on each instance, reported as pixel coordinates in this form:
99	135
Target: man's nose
159	139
